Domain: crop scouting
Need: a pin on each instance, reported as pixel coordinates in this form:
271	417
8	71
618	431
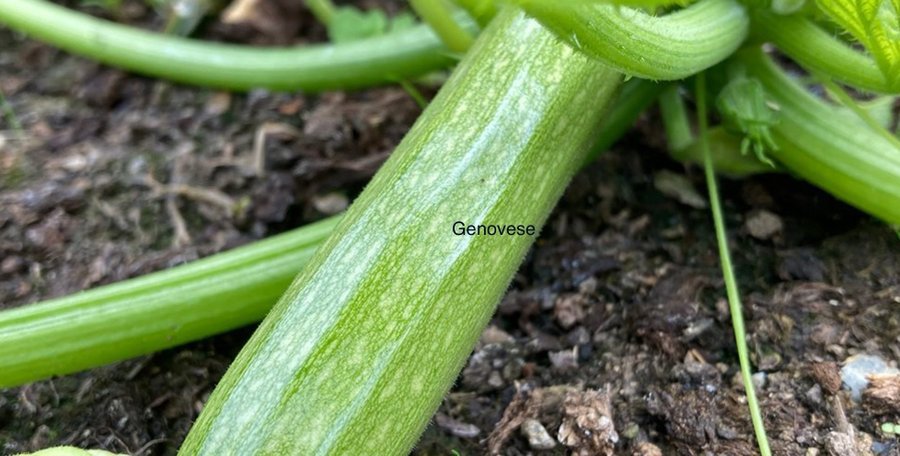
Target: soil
614	337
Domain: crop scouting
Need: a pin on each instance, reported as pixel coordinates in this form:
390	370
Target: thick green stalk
669	47
731	288
821	51
401	55
480	10
845	99
829	146
440	18
675	120
356	356
636	95
152	312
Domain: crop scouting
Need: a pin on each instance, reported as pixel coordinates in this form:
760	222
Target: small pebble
814	394
537	435
763	224
564	360
330	203
494	335
858	367
631	431
647	449
456	427
680	188
759	380
218	103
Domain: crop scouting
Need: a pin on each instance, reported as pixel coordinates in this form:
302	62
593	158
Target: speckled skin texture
356	356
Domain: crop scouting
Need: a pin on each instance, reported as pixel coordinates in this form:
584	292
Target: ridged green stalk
356	356
437	14
821	51
668	47
828	146
152	312
379	60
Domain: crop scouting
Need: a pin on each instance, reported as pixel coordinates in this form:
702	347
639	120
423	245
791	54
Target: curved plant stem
631	101
152	312
845	99
323	10
437	15
668	47
820	51
830	146
675	121
480	10
380	60
734	297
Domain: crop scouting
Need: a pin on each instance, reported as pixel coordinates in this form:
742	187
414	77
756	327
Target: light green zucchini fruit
356	356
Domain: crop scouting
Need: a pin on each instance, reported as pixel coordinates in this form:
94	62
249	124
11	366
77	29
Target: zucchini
356	356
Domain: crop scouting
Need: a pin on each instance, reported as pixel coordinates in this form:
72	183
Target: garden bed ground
119	175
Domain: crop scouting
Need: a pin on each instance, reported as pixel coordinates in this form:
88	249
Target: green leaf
876	25
403	21
351	24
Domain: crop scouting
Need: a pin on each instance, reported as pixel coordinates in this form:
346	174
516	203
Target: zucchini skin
356	356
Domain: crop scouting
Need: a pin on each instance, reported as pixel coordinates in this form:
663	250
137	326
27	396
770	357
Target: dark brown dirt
615	324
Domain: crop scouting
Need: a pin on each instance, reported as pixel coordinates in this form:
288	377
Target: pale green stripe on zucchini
673	46
829	146
356	356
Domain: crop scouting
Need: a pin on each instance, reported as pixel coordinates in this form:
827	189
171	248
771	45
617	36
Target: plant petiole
734	298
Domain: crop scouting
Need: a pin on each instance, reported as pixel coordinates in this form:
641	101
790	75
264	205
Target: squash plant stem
437	15
379	60
734	298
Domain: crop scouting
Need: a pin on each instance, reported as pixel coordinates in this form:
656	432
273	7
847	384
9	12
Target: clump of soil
614	337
